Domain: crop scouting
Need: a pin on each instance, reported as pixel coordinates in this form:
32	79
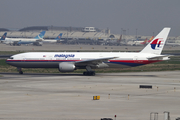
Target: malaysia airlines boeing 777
70	61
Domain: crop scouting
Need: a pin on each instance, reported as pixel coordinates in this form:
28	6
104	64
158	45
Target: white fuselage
49	41
19	40
52	59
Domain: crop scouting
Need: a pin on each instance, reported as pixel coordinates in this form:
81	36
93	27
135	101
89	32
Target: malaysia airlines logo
157	43
64	55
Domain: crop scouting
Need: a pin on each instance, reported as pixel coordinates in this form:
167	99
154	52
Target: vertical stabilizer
41	35
59	37
4	36
157	44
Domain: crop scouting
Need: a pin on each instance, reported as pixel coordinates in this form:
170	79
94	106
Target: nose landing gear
20	70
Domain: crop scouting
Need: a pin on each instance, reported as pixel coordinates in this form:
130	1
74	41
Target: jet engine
66	67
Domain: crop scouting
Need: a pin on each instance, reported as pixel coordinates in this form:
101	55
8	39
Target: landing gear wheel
89	73
20	72
84	73
92	73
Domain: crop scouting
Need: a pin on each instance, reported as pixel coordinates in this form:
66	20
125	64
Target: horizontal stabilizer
161	57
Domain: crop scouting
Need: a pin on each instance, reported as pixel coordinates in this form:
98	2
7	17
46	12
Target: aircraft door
24	59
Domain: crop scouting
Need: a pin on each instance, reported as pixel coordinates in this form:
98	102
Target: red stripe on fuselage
135	61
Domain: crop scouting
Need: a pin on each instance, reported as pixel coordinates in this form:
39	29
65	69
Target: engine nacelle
66	67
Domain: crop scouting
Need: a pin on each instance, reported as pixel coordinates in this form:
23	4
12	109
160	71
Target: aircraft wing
93	61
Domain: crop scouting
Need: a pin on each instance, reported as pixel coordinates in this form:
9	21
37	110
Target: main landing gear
89	71
20	70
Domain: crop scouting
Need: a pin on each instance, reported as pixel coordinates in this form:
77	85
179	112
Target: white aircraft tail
157	44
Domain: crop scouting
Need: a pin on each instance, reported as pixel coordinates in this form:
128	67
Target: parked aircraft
116	42
146	41
70	61
18	41
150	39
56	40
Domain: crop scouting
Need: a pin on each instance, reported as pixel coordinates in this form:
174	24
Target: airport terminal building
75	35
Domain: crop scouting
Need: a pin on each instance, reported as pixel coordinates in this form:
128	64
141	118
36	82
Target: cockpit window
11	58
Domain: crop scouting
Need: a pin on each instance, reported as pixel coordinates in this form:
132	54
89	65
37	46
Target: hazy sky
147	16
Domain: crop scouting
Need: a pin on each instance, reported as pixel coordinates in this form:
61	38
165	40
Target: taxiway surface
70	96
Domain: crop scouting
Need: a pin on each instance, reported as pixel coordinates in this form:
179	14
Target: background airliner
70	61
56	40
146	41
18	41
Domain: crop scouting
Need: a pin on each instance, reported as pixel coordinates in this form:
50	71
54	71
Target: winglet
157	44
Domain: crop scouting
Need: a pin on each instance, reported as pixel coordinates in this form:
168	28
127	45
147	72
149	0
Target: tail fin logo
59	37
4	37
156	43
